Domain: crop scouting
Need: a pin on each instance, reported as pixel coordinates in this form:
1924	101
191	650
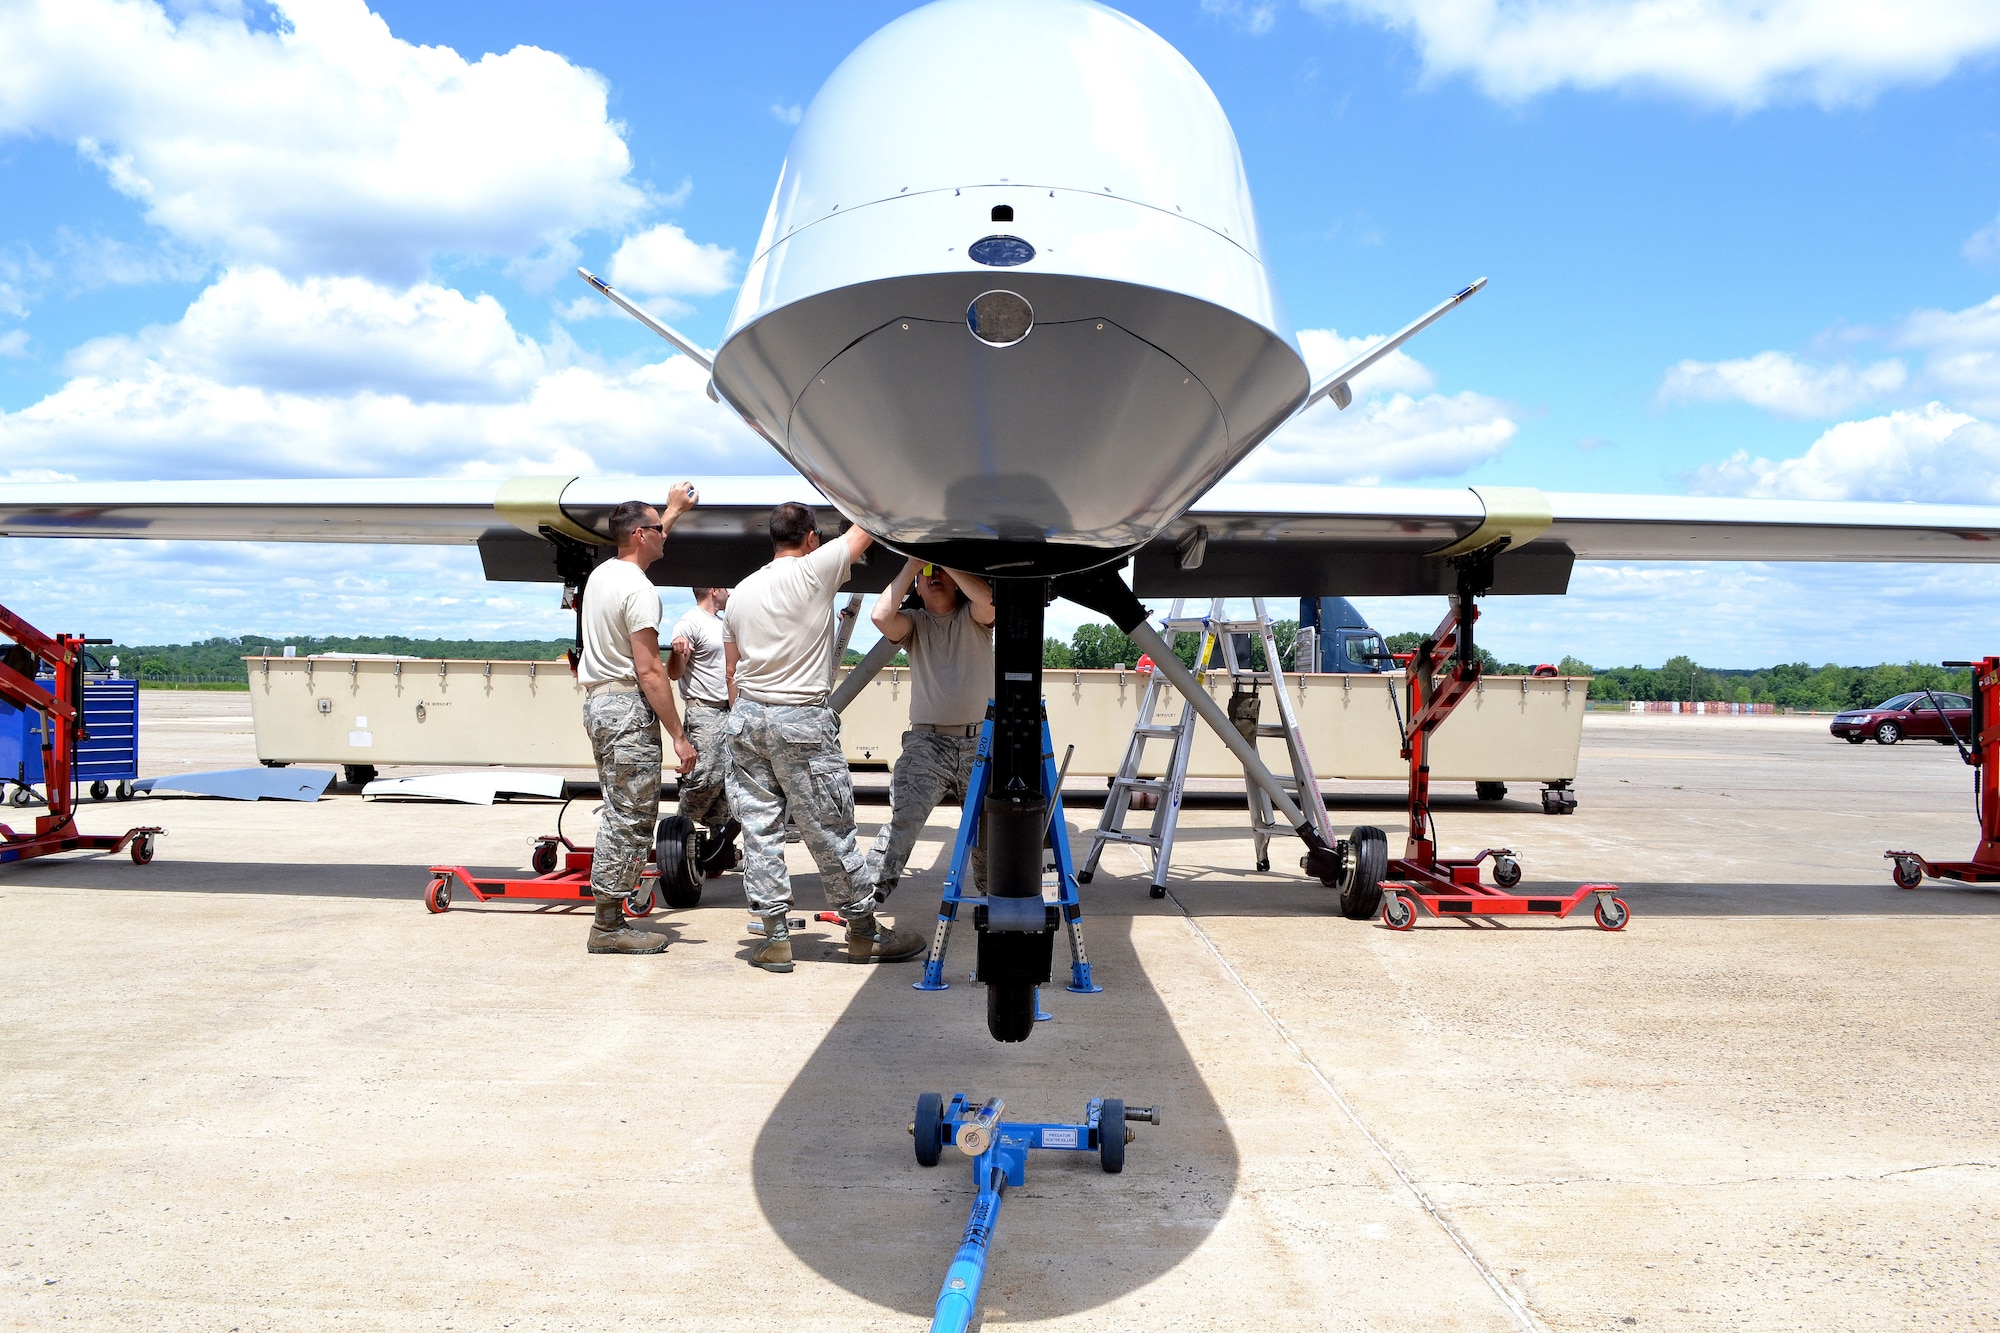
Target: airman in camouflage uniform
784	742
697	659
950	642
629	700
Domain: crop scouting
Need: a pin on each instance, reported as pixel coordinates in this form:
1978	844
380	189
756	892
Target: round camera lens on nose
999	319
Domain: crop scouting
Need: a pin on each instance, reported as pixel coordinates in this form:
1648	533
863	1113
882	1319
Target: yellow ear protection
927	570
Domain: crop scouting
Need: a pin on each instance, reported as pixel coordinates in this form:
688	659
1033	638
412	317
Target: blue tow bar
999	1152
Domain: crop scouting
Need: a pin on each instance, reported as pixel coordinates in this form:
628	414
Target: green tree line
219	660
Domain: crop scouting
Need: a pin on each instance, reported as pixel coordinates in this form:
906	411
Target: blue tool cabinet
109	755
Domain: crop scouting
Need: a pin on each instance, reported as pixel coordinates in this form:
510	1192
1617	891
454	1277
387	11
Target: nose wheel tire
1010	1010
1367	861
1909	873
438	897
1611	913
1399	913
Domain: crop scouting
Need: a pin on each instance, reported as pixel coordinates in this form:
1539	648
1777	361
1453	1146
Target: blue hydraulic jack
1067	901
999	1152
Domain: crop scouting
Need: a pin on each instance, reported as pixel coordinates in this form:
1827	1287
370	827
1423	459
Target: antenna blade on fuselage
688	346
1335	385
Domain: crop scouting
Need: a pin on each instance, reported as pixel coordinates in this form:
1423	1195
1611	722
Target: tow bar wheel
142	849
1611	913
1909	873
438	896
1111	1136
643	899
1398	912
928	1128
543	860
1506	871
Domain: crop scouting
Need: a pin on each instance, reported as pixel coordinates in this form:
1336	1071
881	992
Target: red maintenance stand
62	732
680	859
1443	670
1982	751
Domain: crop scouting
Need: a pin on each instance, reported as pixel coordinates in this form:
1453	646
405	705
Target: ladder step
1156	732
1137	839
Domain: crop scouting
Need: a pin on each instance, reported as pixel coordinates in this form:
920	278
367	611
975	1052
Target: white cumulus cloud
1929	454
1779	383
1735	53
662	261
1384	439
265	376
330	335
1255	17
326	146
1326	351
1396	429
1961	353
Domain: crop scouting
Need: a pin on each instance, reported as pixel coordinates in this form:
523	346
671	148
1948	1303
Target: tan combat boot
775	953
610	934
869	941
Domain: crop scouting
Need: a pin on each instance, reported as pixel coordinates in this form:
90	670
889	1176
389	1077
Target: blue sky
1737	249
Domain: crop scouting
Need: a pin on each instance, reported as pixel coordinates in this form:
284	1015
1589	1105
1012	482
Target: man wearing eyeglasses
629	699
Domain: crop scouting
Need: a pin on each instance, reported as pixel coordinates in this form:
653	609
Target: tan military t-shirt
618	601
951	667
781	621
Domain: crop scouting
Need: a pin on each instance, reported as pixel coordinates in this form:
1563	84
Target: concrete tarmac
254	1085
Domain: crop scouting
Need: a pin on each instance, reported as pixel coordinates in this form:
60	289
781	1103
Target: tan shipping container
336	710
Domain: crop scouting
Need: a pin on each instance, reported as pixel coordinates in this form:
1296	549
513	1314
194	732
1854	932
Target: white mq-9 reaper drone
1009	312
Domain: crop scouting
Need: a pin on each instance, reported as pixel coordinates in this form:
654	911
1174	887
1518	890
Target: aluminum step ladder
1220	649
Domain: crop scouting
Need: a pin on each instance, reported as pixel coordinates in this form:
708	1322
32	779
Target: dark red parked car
1908	715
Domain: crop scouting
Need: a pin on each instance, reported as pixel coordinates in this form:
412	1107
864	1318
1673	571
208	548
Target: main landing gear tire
674	851
928	1127
1010	1010
1367	862
1506	871
1615	918
543	861
438	897
1111	1136
1888	733
1909	873
1399	913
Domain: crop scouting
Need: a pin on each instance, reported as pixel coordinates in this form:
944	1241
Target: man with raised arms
784	742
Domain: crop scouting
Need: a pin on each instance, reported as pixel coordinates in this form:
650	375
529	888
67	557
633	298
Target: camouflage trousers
786	758
625	740
931	767
705	792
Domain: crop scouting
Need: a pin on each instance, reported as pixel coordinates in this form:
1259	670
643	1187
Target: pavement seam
1523	1318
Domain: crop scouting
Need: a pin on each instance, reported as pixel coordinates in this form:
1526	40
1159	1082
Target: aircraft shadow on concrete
839	1183
1227	890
